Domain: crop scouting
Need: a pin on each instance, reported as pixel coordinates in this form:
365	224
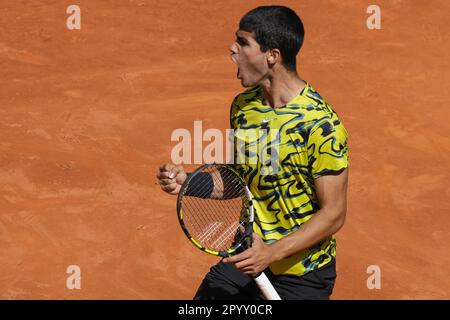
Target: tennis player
300	199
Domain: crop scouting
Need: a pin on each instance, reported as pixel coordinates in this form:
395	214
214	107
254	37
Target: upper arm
329	161
331	191
327	147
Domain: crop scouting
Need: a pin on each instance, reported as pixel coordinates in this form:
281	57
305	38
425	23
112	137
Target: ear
274	56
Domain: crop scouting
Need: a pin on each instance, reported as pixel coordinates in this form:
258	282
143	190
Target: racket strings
225	237
202	191
213	218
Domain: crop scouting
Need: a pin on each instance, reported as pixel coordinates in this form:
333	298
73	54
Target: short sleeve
327	147
231	136
233	110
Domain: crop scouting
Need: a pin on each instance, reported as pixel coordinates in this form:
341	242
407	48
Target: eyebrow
241	38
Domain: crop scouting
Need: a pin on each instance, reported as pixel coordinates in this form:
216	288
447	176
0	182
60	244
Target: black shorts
225	282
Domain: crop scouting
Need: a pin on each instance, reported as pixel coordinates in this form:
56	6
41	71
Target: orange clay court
86	118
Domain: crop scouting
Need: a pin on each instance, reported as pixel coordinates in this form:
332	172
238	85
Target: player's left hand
253	260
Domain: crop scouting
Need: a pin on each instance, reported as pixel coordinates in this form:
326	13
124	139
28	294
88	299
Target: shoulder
317	108
248	96
321	119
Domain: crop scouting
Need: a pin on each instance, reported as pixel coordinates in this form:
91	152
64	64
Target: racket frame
261	280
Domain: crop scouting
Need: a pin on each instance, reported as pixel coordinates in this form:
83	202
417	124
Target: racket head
220	226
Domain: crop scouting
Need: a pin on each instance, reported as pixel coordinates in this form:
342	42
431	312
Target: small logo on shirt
266	120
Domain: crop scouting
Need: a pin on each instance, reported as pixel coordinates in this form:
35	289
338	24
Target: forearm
323	224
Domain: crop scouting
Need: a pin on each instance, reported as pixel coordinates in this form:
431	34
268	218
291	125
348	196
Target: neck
281	87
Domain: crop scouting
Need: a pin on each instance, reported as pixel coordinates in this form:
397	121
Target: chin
247	84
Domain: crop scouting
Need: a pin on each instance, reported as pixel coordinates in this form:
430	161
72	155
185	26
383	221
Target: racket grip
266	287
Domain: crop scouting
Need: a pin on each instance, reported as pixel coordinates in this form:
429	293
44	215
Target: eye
241	41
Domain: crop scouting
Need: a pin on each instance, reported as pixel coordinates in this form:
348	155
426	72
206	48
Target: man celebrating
300	199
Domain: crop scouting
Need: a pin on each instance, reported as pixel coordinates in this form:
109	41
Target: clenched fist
171	178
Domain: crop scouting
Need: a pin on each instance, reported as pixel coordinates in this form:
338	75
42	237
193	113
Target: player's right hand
171	178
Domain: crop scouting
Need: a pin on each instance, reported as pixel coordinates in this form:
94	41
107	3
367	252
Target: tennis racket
216	213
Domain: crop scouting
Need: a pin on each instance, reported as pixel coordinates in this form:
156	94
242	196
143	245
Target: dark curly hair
276	27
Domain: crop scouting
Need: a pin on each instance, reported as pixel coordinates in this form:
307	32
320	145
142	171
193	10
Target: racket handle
266	287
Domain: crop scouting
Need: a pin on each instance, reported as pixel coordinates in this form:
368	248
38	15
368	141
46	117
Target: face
251	62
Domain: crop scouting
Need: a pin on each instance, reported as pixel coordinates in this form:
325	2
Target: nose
233	48
233	51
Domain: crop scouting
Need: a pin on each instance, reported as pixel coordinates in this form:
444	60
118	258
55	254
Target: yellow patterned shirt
279	152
